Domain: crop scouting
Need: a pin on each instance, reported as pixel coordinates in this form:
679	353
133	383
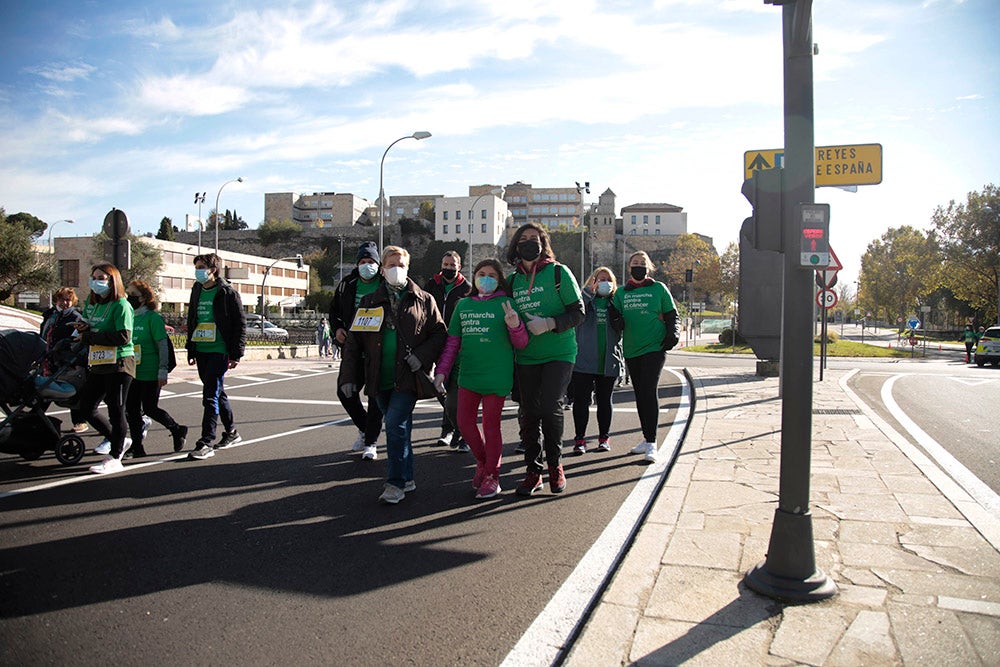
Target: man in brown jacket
400	332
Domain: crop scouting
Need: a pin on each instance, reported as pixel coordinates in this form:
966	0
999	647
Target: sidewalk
918	583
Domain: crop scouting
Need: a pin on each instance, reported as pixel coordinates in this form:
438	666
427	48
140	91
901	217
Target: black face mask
449	274
134	302
529	250
638	272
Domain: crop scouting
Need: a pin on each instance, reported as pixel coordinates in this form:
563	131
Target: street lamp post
496	192
340	267
263	290
199	199
381	191
238	179
580	189
50	232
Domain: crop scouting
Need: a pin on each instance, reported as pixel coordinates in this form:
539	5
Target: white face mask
396	276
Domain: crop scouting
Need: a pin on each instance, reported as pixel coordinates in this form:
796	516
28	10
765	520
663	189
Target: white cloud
62	72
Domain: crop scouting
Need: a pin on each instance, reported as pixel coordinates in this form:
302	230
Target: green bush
726	337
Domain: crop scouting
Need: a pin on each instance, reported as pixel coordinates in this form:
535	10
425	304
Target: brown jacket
420	329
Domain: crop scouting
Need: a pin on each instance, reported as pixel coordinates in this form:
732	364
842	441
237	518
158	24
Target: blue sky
138	105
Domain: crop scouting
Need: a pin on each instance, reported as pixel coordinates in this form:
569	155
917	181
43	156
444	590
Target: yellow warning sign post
857	164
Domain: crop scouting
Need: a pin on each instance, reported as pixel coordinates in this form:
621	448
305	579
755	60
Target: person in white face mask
391	346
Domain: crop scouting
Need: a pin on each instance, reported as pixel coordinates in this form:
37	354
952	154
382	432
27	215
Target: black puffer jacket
230	321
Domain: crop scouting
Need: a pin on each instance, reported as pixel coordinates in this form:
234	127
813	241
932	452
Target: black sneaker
202	451
228	439
179	435
463	447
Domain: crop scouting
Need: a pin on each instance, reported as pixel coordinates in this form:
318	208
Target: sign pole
789	570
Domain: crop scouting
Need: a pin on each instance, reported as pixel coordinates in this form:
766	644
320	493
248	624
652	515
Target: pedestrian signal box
814	222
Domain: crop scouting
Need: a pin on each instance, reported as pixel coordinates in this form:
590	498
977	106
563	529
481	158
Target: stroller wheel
70	450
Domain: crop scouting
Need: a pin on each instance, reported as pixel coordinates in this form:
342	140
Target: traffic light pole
789	570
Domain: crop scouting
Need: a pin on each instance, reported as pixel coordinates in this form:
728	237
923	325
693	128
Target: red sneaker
532	482
579	446
490	488
557	479
477	479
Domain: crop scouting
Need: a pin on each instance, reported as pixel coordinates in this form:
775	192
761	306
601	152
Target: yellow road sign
859	164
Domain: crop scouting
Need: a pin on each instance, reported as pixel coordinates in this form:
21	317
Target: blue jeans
212	367
397	406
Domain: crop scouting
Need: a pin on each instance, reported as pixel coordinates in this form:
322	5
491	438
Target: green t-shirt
147	331
387	370
486	356
206	335
544	301
641	309
362	288
111	316
601	313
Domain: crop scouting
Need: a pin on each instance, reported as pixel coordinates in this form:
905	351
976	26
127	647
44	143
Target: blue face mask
368	270
604	288
99	287
202	275
486	284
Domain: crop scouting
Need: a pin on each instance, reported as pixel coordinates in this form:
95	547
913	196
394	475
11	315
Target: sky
138	105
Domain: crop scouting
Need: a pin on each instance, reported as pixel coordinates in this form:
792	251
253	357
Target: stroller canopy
18	351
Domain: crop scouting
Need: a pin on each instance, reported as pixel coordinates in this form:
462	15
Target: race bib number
138	354
204	333
102	355
368	319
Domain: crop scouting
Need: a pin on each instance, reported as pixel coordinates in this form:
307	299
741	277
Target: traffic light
814	239
763	191
689	275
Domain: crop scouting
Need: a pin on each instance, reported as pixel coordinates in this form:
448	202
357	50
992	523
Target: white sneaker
359	442
127	445
108	465
650	455
391	494
410	486
640	448
445	439
103	447
371	453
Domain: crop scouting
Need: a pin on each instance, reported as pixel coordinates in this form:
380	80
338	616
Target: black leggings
540	412
582	386
113	388
369	421
144	398
645	371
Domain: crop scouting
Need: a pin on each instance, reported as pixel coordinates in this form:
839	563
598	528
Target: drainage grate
837	411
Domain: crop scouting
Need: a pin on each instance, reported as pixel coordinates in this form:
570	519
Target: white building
287	285
455	219
653	220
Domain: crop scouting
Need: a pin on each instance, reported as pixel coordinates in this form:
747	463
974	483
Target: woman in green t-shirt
645	314
107	329
152	355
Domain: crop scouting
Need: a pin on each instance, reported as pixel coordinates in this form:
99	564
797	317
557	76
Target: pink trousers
486	446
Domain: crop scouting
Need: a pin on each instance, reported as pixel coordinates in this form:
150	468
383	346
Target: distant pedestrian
645	313
363	280
323	338
547	298
399	335
969	337
598	361
484	332
152	361
216	340
447	287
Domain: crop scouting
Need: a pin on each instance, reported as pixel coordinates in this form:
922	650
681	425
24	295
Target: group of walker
526	335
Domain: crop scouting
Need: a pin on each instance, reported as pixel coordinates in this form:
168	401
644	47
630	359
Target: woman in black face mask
644	312
547	299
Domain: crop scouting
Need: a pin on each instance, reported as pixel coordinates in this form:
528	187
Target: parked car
270	332
988	348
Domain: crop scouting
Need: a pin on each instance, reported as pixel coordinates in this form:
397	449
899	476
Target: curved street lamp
50	232
496	192
263	290
381	191
238	179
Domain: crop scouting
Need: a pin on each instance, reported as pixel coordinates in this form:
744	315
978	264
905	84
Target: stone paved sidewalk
918	583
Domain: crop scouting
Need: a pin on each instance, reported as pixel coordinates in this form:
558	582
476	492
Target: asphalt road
276	551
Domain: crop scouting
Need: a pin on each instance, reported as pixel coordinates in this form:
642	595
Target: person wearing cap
447	287
363	280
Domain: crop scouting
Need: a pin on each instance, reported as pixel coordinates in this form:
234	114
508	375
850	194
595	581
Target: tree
692	252
166	232
271	231
21	268
35	226
230	221
969	237
147	259
899	272
426	211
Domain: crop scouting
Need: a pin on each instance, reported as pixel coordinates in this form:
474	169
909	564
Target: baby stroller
25	395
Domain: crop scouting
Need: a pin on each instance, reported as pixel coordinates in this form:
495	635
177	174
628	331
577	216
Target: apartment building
551	207
653	220
455	219
406	206
317	210
287	285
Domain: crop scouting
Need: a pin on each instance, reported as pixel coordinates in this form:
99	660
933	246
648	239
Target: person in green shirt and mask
152	356
216	340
